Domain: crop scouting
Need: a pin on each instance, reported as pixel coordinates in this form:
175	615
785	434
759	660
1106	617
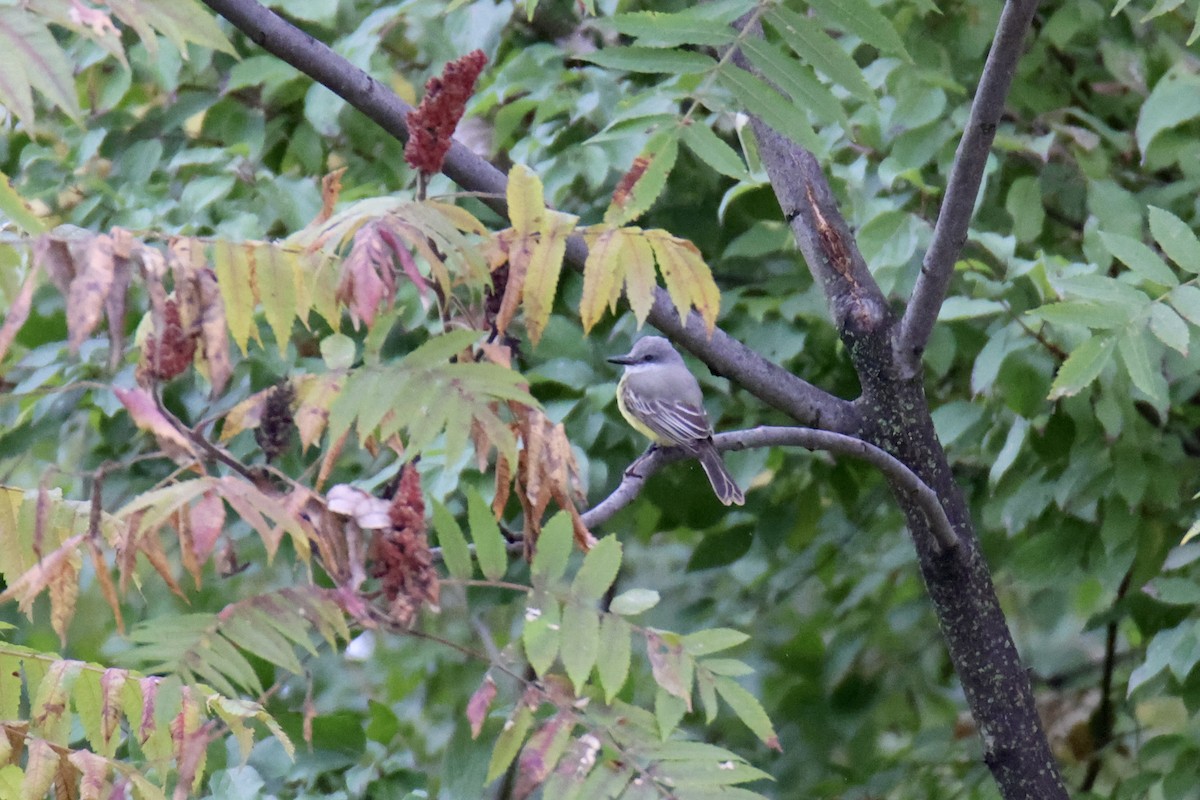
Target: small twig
901	476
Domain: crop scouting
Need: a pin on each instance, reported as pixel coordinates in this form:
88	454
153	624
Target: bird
660	398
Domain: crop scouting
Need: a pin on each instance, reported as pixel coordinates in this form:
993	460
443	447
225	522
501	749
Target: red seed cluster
170	353
400	556
431	125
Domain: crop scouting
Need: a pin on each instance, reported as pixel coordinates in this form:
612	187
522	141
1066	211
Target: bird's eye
648	357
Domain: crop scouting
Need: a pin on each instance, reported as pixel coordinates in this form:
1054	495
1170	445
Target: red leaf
479	704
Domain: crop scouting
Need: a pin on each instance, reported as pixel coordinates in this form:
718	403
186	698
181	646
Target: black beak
625	359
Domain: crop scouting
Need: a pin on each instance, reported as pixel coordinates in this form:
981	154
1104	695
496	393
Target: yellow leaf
235	279
545	264
688	279
277	290
639	273
602	275
526	201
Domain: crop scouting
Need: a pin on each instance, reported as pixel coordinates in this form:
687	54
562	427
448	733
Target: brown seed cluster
400	555
431	125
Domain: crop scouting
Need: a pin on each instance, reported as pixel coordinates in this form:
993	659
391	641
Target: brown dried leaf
314	397
186	257
331	190
541	753
31	583
479	705
64	591
18	310
149	690
367	278
55	256
112	685
147	415
93	769
214	339
207	522
107	588
667	662
152	548
89	290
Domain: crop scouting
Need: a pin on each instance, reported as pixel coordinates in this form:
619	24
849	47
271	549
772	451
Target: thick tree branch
962	187
724	355
901	477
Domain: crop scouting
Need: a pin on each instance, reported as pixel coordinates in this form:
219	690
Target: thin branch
767	381
901	477
962	187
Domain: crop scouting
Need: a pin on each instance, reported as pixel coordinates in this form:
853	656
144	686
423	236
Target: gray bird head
650	350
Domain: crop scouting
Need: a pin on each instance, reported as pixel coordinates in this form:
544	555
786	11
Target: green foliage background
1080	480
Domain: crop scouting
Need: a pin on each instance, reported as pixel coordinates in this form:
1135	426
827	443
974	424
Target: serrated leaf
795	79
748	710
713	640
668	711
713	151
612	662
1176	239
541	634
490	548
543	269
1186	300
277	292
726	666
580	642
639	273
671	29
455	552
818	49
599	570
554	546
1085	314
651	60
645	180
38	55
689	281
769	105
1139	258
634	602
1136	358
12	205
1082	366
863	20
509	742
1169	327
235	274
603	275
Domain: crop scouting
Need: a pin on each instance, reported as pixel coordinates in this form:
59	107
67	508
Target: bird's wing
679	423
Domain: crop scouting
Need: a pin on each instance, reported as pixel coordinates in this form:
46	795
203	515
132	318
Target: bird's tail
723	485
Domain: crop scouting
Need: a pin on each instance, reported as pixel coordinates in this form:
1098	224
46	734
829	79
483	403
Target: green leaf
13	206
1024	205
969	308
455	552
651	60
33	49
490	547
1082	366
1085	313
714	640
671	30
668	711
1186	300
818	49
1169	327
1176	239
1139	258
1174	100
634	602
541	635
554	547
748	710
795	79
656	161
612	662
707	684
769	105
338	351
439	350
580	642
863	20
1136	358
713	151
726	666
599	570
509	742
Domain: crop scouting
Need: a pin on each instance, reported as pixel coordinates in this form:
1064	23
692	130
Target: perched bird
661	399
